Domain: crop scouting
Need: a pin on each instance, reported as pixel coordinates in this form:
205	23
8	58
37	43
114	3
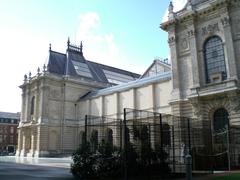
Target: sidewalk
53	162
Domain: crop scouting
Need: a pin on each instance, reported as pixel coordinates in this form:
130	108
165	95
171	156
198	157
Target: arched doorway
220	139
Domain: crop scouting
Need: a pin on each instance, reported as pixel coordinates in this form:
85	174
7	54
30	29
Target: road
16	171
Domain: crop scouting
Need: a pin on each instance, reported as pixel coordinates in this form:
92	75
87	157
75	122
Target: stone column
174	58
23	150
19	146
37	141
103	106
230	53
134	98
32	144
154	108
193	49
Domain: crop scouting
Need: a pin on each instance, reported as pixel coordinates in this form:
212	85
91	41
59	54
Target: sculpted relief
210	29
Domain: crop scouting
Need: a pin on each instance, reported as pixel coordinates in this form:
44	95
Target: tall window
214	59
32	105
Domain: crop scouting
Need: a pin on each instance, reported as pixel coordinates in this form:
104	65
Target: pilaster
174	57
225	20
193	48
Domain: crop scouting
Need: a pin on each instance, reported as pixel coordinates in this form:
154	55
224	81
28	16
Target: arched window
214	60
220	120
32	105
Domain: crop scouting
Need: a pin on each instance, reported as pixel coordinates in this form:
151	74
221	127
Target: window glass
214	58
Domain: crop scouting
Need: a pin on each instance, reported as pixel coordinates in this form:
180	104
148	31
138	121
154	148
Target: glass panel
82	69
214	58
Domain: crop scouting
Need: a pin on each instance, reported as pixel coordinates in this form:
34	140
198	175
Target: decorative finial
68	42
44	68
170	7
30	75
25	78
81	47
50	47
190	6
38	71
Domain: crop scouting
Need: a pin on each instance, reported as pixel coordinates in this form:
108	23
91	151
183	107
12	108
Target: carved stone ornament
191	33
225	21
171	39
210	29
196	104
184	43
234	102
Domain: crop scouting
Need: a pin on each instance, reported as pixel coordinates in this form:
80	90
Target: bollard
188	162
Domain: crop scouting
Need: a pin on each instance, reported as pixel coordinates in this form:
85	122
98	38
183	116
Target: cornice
188	15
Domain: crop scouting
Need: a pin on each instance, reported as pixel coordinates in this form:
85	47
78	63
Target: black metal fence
161	141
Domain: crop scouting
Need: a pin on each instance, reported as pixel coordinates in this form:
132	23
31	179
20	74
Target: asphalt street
17	171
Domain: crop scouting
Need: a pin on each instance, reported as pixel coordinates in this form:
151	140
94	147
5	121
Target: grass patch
234	176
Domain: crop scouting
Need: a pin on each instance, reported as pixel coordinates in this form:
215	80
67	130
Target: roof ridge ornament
25	78
81	48
38	71
75	48
44	68
30	76
171	14
190	5
170	7
68	42
50	46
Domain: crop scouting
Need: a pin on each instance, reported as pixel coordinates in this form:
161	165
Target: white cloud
178	5
101	47
97	46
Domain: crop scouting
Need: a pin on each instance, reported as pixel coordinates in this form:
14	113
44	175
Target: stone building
202	81
8	132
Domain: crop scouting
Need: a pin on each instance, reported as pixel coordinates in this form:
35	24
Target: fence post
189	137
188	162
125	145
121	135
161	131
228	148
86	117
173	144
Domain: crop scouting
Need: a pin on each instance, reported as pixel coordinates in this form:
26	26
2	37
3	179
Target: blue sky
120	33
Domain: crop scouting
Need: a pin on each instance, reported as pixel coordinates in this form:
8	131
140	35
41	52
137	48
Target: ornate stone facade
204	42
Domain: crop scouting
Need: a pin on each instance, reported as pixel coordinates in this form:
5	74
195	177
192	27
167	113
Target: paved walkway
12	168
54	162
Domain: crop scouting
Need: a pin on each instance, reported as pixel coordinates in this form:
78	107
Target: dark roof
73	63
195	2
8	115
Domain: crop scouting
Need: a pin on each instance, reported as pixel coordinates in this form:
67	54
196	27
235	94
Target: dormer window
215	66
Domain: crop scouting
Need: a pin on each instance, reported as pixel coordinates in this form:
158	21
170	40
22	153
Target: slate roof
8	115
73	63
195	2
